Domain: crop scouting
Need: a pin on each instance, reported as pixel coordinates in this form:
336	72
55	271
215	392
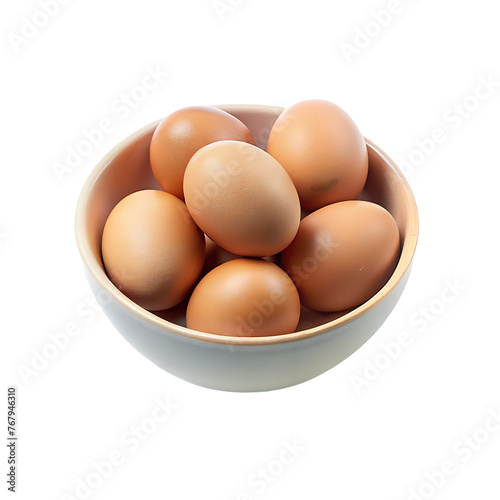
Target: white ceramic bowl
237	363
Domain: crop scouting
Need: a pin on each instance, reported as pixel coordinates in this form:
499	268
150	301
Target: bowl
237	363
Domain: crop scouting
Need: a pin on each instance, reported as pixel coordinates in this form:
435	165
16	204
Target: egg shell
244	298
322	150
343	254
178	136
152	249
242	198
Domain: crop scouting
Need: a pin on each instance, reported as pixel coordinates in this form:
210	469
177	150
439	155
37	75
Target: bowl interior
127	169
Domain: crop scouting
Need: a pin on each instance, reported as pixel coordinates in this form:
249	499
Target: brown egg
242	198
343	254
182	133
244	298
152	250
322	150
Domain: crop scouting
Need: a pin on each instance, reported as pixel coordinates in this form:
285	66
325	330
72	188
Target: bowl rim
105	283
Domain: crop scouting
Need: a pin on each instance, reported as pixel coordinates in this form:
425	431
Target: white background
376	441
